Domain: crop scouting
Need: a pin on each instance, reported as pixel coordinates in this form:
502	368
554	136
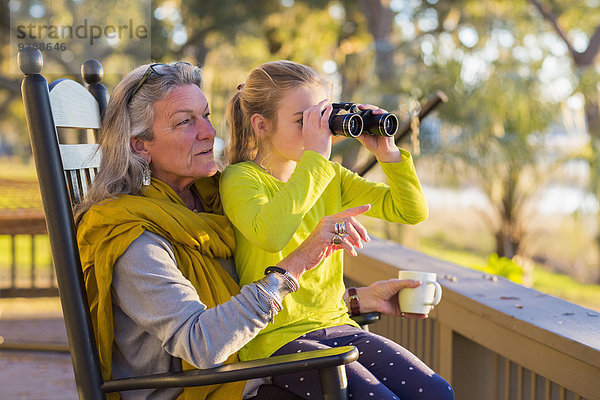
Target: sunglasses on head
155	68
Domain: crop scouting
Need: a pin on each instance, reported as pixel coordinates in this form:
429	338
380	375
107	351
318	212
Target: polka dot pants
384	370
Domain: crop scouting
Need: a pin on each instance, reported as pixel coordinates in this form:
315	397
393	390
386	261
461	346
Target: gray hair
121	169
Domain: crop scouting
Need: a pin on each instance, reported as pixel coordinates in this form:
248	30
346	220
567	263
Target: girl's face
181	150
285	138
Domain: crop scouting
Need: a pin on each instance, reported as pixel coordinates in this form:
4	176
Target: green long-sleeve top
271	218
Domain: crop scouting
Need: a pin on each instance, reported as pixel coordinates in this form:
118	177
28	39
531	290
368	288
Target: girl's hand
382	296
315	128
383	147
320	243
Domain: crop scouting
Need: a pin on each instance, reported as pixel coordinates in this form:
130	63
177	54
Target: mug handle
438	293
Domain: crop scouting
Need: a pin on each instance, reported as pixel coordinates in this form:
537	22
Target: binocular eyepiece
348	120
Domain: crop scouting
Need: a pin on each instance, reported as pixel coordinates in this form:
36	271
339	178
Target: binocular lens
354	125
350	125
390	124
381	124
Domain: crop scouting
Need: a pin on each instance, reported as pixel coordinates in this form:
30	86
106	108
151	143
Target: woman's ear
260	125
139	146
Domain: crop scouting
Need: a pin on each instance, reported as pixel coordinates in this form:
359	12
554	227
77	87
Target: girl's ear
260	125
139	146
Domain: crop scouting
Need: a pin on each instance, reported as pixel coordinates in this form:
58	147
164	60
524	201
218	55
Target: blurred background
510	164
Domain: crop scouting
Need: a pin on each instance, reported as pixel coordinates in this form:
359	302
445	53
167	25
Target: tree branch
581	59
588	56
552	18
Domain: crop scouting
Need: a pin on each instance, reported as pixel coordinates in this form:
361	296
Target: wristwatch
353	300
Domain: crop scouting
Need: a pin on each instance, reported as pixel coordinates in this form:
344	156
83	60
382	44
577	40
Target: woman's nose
206	130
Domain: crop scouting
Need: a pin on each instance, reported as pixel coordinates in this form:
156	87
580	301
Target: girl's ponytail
265	87
243	143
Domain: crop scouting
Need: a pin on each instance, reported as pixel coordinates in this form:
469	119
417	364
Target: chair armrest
366	319
277	365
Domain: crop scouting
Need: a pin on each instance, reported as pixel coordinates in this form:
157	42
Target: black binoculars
348	120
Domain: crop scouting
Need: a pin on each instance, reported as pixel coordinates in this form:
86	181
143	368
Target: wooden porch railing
31	280
491	338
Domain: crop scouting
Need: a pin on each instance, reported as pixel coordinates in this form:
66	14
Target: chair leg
334	384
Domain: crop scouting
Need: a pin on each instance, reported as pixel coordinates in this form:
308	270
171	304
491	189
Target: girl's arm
401	201
266	211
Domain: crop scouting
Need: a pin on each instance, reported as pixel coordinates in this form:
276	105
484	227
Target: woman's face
181	150
285	140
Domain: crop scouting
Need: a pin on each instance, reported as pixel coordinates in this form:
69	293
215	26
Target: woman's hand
383	147
382	296
319	244
315	128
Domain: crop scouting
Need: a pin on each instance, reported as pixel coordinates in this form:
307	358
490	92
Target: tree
488	58
48	21
581	23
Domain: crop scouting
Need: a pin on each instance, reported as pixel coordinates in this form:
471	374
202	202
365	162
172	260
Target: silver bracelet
290	281
278	285
274	303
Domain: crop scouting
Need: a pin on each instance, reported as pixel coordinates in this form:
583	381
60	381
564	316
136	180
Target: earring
146	178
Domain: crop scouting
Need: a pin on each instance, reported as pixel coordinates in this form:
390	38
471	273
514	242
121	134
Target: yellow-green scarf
108	228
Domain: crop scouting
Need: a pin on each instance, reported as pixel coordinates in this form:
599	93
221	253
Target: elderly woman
157	250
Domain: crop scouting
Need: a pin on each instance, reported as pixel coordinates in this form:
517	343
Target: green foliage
503	266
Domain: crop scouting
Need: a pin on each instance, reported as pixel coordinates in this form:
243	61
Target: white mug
419	300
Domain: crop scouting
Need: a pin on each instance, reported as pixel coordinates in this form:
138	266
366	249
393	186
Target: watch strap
353	300
273	268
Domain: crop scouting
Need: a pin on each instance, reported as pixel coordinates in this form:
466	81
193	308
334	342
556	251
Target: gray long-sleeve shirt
159	318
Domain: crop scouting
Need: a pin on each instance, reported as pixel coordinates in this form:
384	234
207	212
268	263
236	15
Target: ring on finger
338	239
340	228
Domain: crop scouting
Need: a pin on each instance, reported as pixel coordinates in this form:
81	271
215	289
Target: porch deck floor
34	375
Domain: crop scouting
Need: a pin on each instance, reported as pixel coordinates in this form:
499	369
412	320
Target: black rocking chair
64	173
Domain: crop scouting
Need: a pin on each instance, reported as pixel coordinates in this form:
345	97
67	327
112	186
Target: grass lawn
18	186
16	170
